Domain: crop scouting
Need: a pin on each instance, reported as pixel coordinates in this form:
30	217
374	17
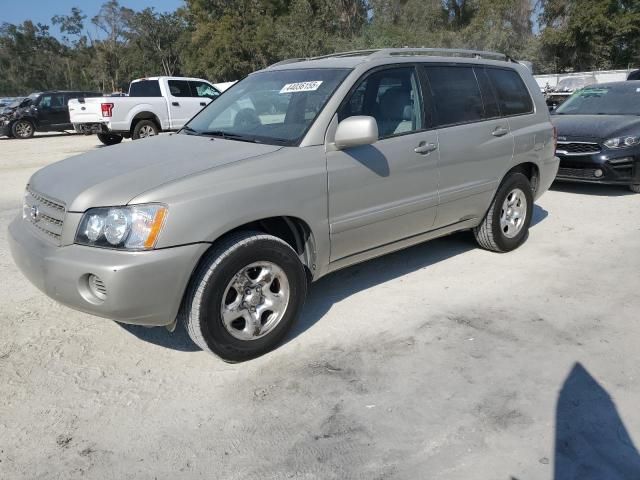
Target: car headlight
135	227
622	142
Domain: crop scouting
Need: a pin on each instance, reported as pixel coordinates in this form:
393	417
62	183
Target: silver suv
300	169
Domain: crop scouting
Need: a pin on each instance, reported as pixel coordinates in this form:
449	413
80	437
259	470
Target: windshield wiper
229	136
191	131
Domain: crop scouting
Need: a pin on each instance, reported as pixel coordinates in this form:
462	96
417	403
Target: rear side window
145	88
456	95
513	96
491	108
179	88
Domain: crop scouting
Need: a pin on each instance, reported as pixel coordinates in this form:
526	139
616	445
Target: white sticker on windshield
301	87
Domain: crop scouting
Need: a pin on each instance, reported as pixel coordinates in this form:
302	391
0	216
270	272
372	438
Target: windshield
599	100
275	107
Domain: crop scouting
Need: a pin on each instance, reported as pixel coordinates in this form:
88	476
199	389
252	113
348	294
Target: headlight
131	228
622	142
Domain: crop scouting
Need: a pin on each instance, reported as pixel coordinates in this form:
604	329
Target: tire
635	188
109	139
143	129
492	234
23	129
218	286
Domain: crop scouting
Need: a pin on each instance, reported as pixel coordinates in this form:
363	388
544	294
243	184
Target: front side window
390	96
512	93
275	107
455	94
202	89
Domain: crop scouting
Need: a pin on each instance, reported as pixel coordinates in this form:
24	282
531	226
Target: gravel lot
441	361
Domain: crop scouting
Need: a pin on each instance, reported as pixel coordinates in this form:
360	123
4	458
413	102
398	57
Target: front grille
577	148
577	172
44	214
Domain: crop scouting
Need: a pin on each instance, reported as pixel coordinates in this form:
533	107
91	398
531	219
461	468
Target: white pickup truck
153	105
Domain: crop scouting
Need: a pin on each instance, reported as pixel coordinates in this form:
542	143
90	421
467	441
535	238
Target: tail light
555	139
107	109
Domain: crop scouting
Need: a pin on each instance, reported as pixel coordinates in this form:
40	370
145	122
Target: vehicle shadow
41	135
592	189
339	285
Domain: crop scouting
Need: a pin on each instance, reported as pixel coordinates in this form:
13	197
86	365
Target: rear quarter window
512	93
145	88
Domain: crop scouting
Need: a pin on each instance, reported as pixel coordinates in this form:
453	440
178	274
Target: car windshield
276	107
623	99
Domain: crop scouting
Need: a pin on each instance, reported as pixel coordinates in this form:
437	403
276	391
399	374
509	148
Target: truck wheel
144	129
245	296
23	129
507	222
635	188
109	139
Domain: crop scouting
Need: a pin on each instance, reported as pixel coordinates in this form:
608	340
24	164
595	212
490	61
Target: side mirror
356	131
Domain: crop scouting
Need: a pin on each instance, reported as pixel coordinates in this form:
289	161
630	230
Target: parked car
225	223
635	75
42	112
599	135
555	96
153	105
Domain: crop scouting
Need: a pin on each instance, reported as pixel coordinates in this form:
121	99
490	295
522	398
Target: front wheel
109	139
23	129
245	296
635	188
507	222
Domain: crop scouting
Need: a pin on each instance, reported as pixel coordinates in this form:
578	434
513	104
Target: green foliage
227	39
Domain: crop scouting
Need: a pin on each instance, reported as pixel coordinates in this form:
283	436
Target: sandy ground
441	361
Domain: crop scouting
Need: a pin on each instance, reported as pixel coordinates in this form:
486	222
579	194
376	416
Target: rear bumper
548	174
91	128
143	288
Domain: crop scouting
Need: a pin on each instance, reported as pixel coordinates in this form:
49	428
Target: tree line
224	40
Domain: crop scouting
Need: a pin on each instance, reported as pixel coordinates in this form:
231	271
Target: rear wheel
144	129
109	139
23	129
635	188
245	296
507	222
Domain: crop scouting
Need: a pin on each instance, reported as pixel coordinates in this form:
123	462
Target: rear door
474	140
388	191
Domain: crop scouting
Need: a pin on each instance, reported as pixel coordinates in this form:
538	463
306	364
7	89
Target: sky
41	11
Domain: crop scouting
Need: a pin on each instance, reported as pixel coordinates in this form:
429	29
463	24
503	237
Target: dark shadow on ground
592	189
592	442
40	135
337	286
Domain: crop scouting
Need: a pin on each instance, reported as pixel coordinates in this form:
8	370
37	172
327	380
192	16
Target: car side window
512	93
491	108
390	96
455	94
179	88
203	89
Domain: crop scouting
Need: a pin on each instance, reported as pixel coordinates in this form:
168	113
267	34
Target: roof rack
406	51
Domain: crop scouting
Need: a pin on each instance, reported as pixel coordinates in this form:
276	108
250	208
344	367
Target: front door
382	193
53	111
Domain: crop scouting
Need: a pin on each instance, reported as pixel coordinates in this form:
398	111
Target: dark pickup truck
42	112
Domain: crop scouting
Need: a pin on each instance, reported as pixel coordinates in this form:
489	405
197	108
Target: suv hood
114	175
600	127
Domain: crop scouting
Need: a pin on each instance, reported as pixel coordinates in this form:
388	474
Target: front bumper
613	168
5	129
143	288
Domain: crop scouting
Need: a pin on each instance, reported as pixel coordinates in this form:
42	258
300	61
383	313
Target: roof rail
407	51
447	52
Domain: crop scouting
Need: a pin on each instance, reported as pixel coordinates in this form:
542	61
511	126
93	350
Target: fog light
97	287
598	173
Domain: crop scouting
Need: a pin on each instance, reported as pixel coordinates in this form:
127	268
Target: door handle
203	104
175	104
425	148
499	132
